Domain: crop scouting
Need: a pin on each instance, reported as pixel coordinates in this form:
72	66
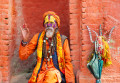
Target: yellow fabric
60	54
39	56
106	54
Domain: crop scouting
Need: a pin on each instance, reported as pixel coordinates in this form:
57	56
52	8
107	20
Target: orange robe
26	51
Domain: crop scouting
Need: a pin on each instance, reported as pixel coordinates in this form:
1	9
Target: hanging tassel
98	80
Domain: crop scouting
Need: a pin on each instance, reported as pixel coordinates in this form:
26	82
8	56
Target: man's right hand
25	32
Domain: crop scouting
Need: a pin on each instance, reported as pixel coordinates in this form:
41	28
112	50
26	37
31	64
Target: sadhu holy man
53	53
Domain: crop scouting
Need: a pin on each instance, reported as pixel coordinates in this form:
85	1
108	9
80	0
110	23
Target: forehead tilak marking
49	17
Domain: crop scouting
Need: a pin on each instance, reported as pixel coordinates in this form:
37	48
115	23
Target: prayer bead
48	59
50	56
44	40
49	51
51	44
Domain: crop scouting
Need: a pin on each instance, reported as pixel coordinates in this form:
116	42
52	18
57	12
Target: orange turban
54	15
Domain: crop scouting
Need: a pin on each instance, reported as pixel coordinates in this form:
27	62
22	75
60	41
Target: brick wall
78	14
5	40
112	18
75	33
94	13
0	77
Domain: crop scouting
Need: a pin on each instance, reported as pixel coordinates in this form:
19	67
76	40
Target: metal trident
98	41
99	48
100	33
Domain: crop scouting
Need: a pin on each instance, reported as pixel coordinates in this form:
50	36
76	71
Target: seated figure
53	53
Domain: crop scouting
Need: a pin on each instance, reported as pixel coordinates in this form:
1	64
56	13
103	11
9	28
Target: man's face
50	25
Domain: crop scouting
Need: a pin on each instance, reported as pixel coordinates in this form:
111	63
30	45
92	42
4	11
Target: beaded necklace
52	44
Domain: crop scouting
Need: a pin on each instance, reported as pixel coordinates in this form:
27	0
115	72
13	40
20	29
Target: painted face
50	21
50	25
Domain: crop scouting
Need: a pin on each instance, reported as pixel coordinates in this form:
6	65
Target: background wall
75	32
74	15
94	13
5	40
112	18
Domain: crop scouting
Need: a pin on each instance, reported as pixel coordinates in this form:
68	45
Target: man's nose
49	25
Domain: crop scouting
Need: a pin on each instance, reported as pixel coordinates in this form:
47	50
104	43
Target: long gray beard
49	32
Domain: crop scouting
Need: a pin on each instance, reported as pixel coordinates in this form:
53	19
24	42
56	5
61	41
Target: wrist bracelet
24	43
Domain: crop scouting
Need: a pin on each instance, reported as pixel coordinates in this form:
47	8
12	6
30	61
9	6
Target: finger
26	25
28	30
21	28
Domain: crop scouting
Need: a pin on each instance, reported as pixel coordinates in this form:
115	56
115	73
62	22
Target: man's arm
69	75
27	50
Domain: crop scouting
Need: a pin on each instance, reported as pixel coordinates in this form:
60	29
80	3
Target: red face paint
23	25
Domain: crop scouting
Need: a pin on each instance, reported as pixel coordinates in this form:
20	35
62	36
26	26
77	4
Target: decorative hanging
102	51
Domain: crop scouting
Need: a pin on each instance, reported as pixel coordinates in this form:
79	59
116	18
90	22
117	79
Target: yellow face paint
49	19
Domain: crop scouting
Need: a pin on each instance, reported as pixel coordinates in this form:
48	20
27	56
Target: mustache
49	28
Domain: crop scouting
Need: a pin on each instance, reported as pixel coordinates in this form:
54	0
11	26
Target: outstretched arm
27	50
69	75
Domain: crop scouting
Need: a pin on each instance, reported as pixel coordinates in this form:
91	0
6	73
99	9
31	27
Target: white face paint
49	32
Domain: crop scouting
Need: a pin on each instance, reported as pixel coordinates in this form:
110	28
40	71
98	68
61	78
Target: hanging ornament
50	56
44	40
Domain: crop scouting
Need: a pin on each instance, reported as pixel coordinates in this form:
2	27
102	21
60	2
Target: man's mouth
49	29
